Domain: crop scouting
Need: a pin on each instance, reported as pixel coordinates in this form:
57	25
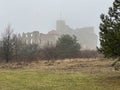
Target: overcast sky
41	15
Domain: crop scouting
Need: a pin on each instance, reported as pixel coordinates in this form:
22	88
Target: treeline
13	49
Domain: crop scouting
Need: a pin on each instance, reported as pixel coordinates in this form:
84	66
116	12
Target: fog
41	15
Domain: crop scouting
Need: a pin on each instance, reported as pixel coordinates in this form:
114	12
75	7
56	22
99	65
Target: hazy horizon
39	15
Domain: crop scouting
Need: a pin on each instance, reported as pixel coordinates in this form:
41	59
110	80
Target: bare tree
7	43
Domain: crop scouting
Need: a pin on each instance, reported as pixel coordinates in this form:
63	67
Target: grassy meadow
73	74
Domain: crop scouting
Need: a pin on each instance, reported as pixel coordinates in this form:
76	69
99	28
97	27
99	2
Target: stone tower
60	26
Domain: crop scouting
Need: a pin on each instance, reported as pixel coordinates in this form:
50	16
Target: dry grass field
68	74
91	66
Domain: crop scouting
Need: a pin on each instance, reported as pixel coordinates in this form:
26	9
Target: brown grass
91	66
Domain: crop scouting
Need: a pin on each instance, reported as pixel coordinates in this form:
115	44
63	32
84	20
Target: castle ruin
85	36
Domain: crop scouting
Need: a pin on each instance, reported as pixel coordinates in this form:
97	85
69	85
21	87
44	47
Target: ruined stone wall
37	38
